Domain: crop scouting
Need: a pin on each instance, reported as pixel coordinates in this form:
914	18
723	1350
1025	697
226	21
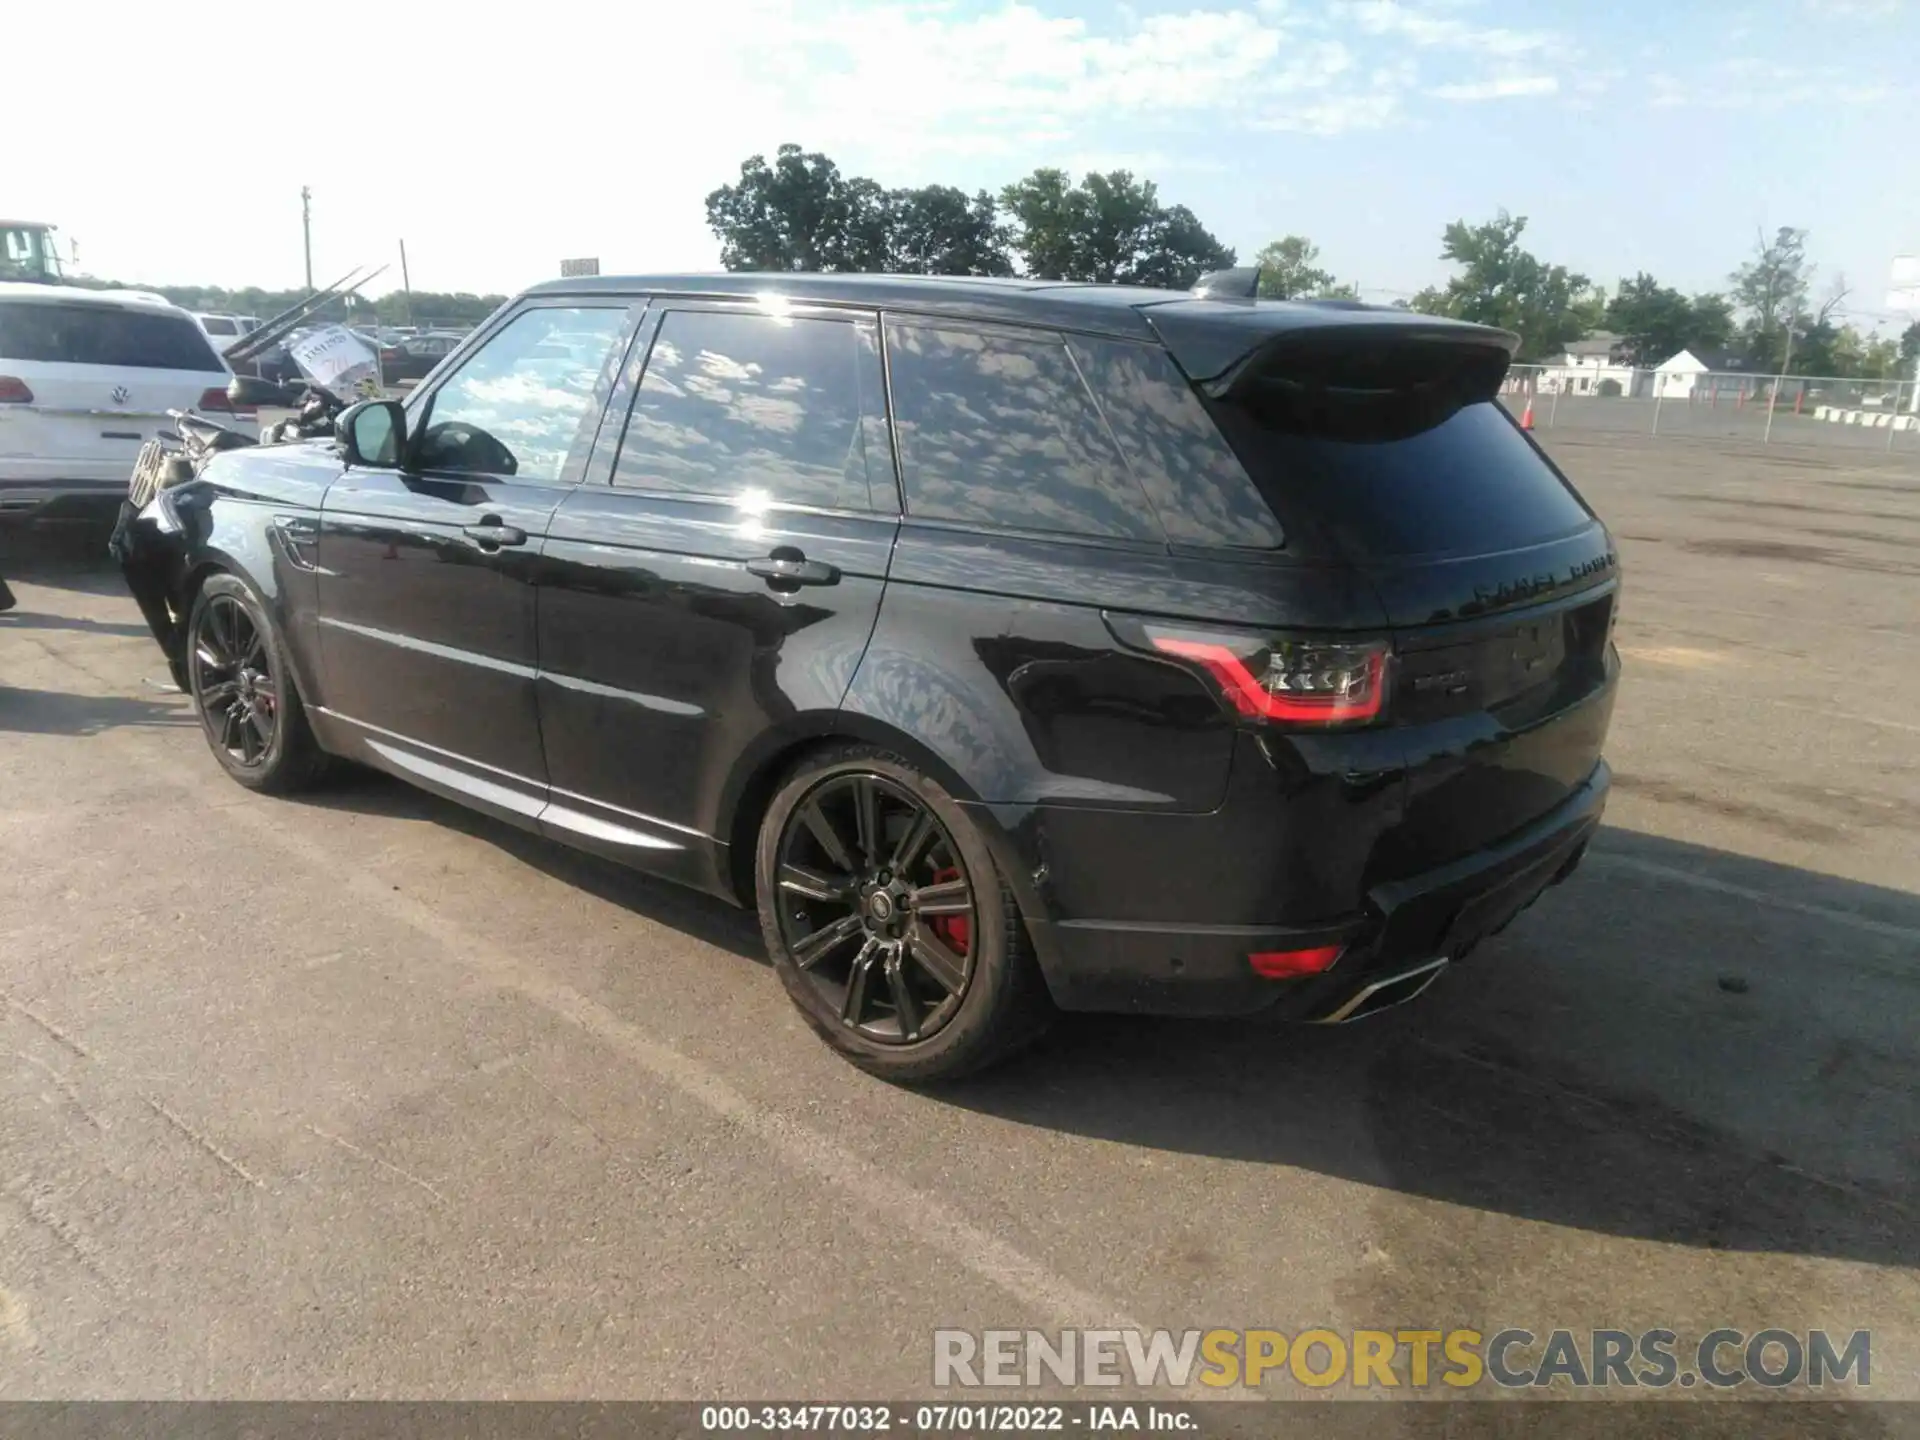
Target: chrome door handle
790	572
490	533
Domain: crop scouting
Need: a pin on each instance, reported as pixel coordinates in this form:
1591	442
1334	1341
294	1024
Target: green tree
425	308
1178	250
1880	358
1771	291
1822	343
1588	310
1046	212
1845	353
799	213
938	230
1290	270
1108	228
802	213
1910	345
1713	324
1825	349
1117	215
1654	321
867	224
1504	285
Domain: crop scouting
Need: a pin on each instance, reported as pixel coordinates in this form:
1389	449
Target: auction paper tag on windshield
335	358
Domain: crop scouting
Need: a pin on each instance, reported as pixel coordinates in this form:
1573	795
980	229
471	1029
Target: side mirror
373	433
250	391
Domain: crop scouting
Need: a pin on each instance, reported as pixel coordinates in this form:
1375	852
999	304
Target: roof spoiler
269	333
1366	354
1368	381
1240	283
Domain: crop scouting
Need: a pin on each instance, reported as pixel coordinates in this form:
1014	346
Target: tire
243	692
803	896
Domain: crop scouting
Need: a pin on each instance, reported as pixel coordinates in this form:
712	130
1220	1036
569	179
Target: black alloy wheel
233	682
876	906
235	665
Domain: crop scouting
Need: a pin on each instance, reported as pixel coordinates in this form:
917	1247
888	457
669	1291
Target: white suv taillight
14	391
215	399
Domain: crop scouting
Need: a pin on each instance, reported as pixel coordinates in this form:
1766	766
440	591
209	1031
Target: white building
1700	374
1588	365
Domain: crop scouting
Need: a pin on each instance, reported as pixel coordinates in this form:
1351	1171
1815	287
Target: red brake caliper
956	930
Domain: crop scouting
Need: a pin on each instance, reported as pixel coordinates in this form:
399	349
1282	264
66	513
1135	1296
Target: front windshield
27	253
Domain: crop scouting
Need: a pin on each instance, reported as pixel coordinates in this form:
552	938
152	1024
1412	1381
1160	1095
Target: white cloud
986	83
609	148
1430	27
1746	82
1855	9
1509	87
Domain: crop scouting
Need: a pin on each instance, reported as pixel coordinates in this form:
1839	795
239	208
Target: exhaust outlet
1385	994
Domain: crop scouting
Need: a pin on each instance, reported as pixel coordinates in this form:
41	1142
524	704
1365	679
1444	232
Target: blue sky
498	139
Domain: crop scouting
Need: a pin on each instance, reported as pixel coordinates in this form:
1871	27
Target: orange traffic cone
1526	415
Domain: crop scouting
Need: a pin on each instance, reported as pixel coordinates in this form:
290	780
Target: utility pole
306	231
1774	396
406	284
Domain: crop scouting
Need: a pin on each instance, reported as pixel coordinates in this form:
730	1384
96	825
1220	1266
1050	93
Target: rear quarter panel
991	650
1114	786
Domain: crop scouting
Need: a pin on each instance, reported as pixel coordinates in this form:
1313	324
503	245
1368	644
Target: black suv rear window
103	335
1470	483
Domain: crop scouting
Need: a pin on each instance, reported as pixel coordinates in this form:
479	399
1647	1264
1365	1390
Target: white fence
1771	409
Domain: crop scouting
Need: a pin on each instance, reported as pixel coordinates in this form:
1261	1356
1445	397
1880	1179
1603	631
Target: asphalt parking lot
366	1096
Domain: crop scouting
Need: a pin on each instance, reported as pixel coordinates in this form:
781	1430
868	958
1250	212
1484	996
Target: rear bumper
1390	948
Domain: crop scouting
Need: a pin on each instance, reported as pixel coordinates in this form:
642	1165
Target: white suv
226	331
86	377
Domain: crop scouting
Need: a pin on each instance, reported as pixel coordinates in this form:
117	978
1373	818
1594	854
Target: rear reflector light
1287	964
1293	681
14	391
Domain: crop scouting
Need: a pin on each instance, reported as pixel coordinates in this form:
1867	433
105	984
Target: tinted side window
516	405
732	403
1178	454
104	335
997	429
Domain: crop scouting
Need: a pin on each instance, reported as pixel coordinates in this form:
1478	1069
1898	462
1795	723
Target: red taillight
14	391
216	399
1291	681
1287	964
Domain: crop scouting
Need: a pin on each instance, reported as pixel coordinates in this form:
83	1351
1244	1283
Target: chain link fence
1812	410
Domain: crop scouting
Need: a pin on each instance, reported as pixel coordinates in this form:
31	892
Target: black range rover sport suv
1008	644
